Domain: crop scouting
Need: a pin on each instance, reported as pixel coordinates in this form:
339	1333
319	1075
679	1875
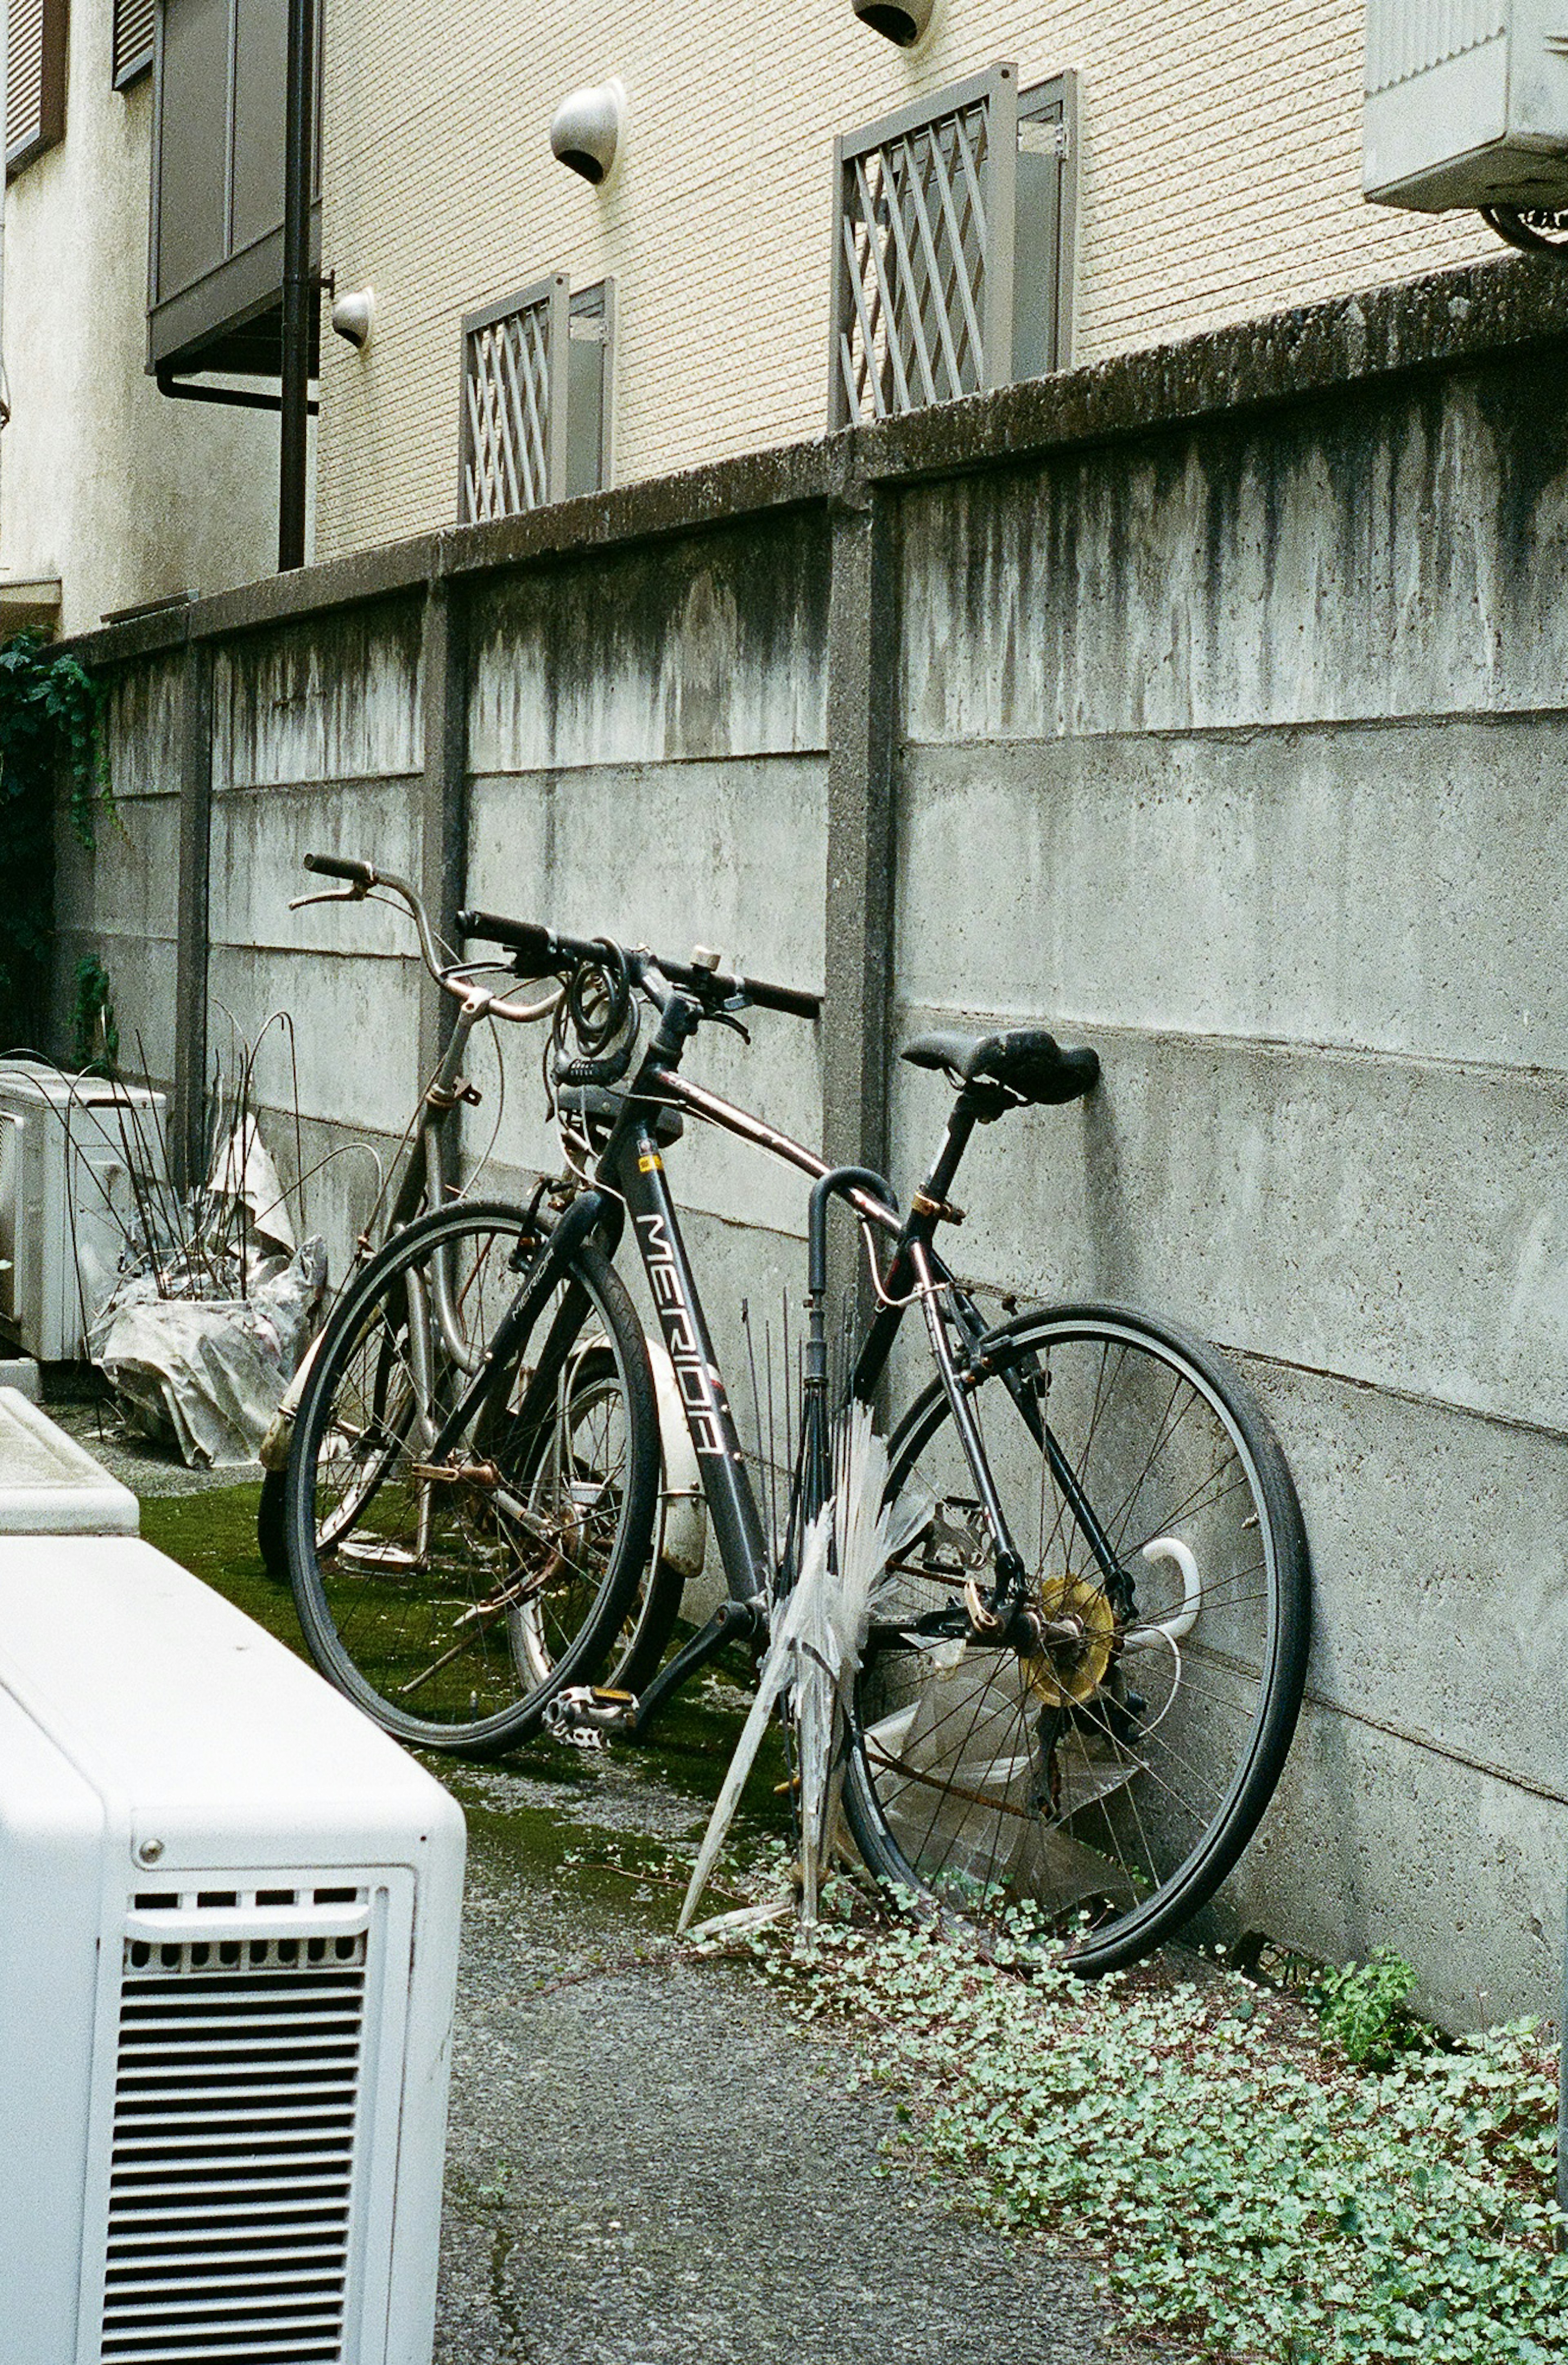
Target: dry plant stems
1252	2193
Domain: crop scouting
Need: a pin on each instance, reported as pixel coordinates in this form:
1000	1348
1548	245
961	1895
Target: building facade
1207	167
1217	171
107	491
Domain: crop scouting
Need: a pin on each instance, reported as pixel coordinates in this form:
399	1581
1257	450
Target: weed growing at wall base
1253	2193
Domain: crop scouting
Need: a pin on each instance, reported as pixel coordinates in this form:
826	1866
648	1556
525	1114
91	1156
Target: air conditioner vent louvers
236	2102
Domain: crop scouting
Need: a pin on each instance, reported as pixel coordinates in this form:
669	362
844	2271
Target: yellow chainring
1067	1673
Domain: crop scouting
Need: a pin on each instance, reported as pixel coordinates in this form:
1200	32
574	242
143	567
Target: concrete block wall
1215	758
1210	708
316	749
647	758
118	900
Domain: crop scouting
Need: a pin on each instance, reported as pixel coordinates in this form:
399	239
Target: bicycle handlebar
539	952
362	877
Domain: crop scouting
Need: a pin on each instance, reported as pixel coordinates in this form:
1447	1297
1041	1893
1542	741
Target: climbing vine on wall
50	743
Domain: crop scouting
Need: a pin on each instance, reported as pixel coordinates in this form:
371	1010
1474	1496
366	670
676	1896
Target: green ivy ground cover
1252	2193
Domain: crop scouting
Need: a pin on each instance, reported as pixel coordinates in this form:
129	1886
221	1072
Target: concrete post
861	726
862	701
187	1143
444	864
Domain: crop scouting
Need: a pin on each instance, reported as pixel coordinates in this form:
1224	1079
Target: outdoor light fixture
586	128
354	316
904	22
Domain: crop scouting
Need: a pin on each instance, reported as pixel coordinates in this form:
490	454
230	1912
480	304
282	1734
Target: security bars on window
514	436
951	256
537	398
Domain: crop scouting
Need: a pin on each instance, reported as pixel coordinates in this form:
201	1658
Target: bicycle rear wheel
1110	1781
451	1596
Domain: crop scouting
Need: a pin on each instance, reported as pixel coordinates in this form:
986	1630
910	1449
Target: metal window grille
536	399
38	37
134	25
952	247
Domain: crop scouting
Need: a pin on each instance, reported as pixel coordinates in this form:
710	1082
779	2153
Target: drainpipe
299	290
5	137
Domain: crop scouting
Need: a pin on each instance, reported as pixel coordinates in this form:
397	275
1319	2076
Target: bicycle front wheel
1106	1778
451	1587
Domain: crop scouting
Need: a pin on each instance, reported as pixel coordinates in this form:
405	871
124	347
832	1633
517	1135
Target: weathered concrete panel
141	729
354	1029
334	698
1398	889
729	855
1396	554
1373	1841
260	839
1439	1547
140	968
704	647
1396	1222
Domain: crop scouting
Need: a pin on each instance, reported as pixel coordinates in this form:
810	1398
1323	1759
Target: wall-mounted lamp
354	316
584	130
904	22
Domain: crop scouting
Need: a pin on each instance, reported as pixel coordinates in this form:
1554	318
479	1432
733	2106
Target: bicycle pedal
583	1716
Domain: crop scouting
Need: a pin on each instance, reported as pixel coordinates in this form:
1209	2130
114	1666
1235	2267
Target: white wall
105	482
1220	175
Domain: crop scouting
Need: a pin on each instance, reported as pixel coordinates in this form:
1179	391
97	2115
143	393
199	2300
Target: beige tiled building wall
1219	178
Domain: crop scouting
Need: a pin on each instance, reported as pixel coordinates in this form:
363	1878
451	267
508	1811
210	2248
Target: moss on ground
213	1535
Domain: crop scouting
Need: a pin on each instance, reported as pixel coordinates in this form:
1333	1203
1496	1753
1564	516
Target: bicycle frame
629	1180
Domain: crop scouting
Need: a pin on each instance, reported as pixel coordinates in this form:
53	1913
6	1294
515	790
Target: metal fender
274	1452
683	1512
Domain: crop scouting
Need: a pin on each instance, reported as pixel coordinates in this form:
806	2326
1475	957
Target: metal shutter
34	79
133	39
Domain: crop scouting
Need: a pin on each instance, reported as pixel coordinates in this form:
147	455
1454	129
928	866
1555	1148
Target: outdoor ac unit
1466	103
227	1946
72	1149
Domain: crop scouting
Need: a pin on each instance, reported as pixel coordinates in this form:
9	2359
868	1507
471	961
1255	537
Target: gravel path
648	2165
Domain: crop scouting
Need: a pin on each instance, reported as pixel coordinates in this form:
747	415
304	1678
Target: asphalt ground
649	2163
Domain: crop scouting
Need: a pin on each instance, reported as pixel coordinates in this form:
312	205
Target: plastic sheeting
209	1370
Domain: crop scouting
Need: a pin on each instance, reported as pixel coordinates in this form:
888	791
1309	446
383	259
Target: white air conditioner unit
72	1150
1466	103
228	1913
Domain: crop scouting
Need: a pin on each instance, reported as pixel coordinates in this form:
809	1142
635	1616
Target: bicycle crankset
1070	1666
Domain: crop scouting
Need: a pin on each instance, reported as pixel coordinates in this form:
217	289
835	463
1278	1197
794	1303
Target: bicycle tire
1109	1783
272	1524
487	1582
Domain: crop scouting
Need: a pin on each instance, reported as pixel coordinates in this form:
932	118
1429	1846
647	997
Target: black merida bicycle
1081	1678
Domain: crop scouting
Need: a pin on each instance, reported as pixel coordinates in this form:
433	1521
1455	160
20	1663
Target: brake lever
726	1018
354	894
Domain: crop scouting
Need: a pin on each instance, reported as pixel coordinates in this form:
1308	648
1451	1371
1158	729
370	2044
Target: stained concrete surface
648	2165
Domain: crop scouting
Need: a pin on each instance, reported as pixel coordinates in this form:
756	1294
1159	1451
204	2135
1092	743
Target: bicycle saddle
1026	1060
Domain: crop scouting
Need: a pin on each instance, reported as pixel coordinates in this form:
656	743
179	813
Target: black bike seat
1026	1060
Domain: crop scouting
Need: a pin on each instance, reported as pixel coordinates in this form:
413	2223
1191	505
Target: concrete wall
1222	724
1219	171
104	484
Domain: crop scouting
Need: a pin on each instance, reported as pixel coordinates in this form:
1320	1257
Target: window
952	263
535	424
35	80
133	30
216	280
